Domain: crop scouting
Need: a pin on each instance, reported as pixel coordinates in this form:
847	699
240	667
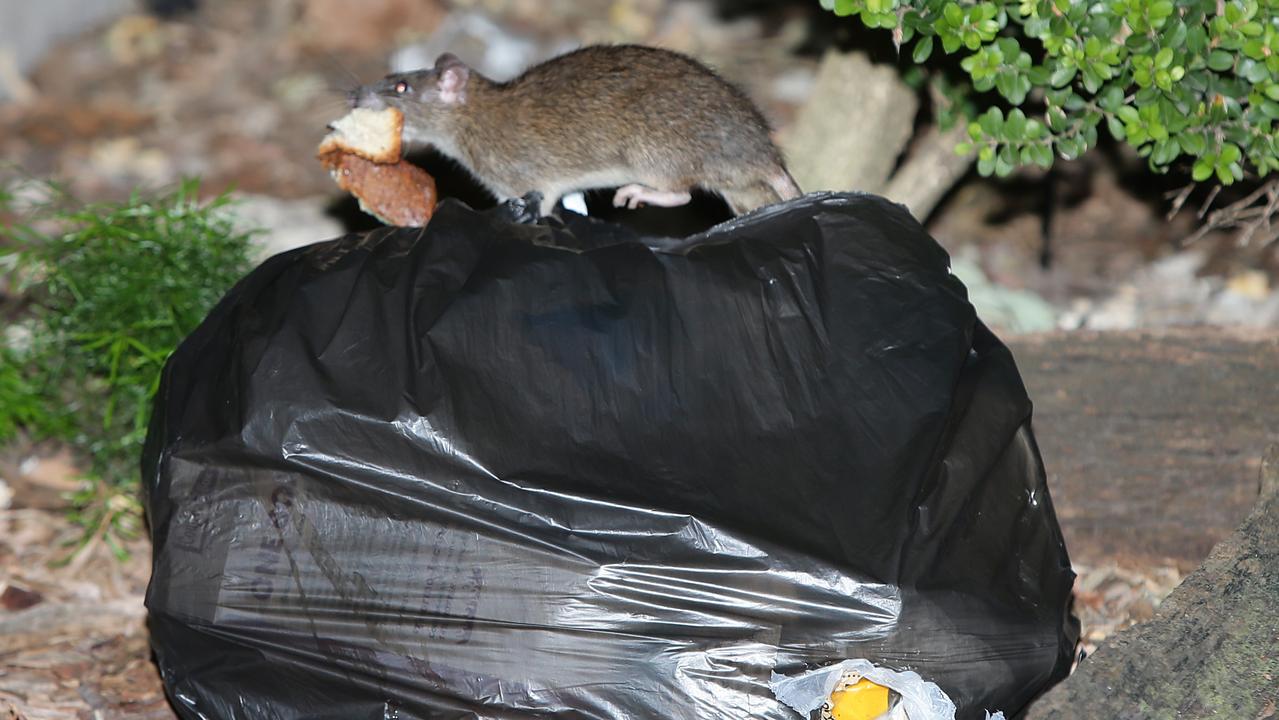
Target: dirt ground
1144	477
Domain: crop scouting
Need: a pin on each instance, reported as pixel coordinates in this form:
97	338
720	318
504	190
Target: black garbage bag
499	468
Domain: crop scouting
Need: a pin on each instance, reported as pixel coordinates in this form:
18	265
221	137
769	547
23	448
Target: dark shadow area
452	181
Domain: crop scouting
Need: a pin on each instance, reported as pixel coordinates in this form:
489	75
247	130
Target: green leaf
1202	170
1092	81
1111	98
1193	143
1220	60
923	49
1056	118
1062	76
1043	155
1196	40
1163	59
1116	128
1004	166
992	122
1254	72
1015	127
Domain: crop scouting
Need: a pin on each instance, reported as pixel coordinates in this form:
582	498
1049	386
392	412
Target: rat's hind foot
632	195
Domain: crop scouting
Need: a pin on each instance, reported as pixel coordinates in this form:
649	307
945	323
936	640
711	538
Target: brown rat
654	122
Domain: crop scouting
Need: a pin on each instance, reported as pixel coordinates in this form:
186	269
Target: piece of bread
400	194
371	134
362	153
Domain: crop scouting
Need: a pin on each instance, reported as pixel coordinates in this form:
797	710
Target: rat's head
429	99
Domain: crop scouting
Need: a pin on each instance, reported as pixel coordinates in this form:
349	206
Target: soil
1151	441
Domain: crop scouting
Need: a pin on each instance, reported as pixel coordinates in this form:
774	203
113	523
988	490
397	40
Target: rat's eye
401	87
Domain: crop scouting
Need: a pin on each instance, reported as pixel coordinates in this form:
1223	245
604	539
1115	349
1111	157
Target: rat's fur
601	116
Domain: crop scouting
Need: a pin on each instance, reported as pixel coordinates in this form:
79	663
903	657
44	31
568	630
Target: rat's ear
453	75
447	60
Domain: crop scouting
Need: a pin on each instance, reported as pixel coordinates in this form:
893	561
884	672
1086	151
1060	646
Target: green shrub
112	291
1172	78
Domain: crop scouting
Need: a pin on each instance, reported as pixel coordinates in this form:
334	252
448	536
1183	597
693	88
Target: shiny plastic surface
497	468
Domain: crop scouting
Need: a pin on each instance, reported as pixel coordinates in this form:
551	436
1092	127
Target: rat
653	123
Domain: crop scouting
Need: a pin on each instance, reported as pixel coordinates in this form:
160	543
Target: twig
1212	195
1244	214
1179	199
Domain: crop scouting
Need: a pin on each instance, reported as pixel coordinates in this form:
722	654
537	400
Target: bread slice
372	134
362	153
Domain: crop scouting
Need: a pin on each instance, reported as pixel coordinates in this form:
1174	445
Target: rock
1003	309
1170	292
14	598
1253	284
855	125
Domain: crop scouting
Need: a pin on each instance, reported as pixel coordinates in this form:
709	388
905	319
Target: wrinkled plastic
920	699
499	468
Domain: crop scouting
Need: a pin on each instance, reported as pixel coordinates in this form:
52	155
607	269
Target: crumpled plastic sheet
507	467
920	699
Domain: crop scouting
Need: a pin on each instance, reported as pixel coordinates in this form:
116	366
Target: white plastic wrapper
920	699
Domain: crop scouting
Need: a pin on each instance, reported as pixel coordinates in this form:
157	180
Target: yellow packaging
863	700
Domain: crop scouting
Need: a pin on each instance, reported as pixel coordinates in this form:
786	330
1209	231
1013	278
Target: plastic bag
498	468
